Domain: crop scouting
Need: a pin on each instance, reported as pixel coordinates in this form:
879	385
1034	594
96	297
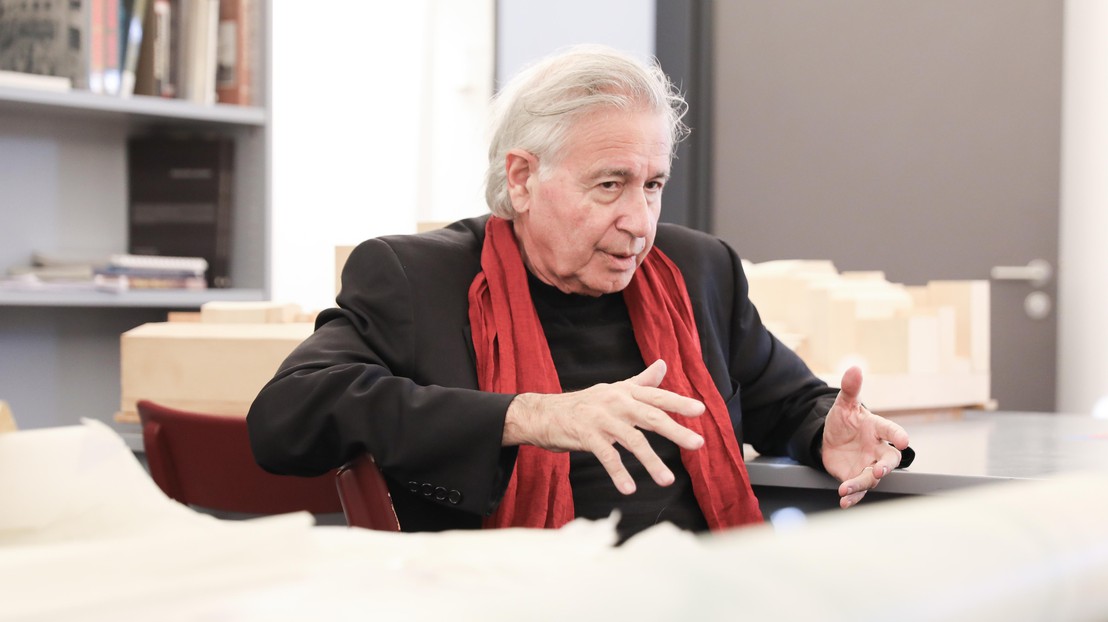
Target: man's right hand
597	418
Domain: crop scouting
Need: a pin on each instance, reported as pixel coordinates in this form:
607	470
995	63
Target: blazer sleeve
355	386
783	403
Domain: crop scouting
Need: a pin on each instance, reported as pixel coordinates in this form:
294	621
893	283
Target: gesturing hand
859	448
596	418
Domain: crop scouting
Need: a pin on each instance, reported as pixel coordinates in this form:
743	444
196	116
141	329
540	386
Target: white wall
378	123
530	29
380	109
1083	274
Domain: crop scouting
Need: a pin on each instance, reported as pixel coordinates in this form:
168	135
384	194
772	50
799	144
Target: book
134	16
34	284
119	270
180	200
197	32
156	271
60	266
236	52
53	273
46	38
35	81
104	55
141	281
153	75
191	266
68	258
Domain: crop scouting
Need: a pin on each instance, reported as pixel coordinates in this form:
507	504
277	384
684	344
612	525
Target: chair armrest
365	497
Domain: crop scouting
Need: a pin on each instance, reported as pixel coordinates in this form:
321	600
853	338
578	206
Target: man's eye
654	185
609	185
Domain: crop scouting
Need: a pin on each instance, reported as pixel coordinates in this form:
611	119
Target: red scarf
513	357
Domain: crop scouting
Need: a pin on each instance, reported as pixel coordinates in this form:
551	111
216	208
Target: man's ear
521	167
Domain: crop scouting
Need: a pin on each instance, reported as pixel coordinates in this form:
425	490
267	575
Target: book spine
136	18
76	35
96	46
162	49
151	272
144	70
111	53
178	48
165	282
199	30
35	81
180	200
187	33
210	51
234	71
157	263
221	270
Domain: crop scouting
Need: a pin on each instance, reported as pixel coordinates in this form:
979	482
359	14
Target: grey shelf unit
63	188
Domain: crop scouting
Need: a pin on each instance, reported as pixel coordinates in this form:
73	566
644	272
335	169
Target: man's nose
637	214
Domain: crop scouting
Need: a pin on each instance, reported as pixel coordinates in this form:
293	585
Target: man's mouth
623	260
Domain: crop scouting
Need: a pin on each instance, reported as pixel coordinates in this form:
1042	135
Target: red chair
365	496
205	460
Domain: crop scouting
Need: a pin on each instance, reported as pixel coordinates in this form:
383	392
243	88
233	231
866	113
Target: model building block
235	312
970	301
837	307
777	286
899	344
7	421
919	347
209	367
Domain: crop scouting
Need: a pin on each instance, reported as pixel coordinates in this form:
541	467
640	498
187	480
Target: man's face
586	222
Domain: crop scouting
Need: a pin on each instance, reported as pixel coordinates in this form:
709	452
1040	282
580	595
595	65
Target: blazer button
454	497
426	490
413	486
440	494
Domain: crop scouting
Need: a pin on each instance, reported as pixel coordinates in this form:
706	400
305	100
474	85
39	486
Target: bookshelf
63	171
156	299
90	106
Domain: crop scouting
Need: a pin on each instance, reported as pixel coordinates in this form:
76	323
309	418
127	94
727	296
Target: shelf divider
85	103
153	298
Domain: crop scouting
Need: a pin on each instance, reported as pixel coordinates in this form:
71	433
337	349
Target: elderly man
567	356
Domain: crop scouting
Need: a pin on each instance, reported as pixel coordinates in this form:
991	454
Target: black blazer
392	371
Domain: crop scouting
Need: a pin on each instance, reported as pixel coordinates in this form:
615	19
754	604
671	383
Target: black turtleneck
591	341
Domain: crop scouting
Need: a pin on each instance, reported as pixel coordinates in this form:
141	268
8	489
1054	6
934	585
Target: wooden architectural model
919	347
7	421
215	363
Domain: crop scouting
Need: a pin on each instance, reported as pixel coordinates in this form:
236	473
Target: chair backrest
205	460
365	496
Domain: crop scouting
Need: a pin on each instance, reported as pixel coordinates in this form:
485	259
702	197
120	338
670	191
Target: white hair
535	110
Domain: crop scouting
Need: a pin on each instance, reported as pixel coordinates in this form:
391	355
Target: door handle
1037	272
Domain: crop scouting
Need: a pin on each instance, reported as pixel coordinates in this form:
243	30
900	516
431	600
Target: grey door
918	137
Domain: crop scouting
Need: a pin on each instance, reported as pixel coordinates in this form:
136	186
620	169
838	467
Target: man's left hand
859	448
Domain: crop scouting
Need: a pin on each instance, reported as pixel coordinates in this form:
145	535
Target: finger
636	443
887	461
609	459
658	421
668	401
891	432
851	500
849	390
861	482
651	376
851	385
